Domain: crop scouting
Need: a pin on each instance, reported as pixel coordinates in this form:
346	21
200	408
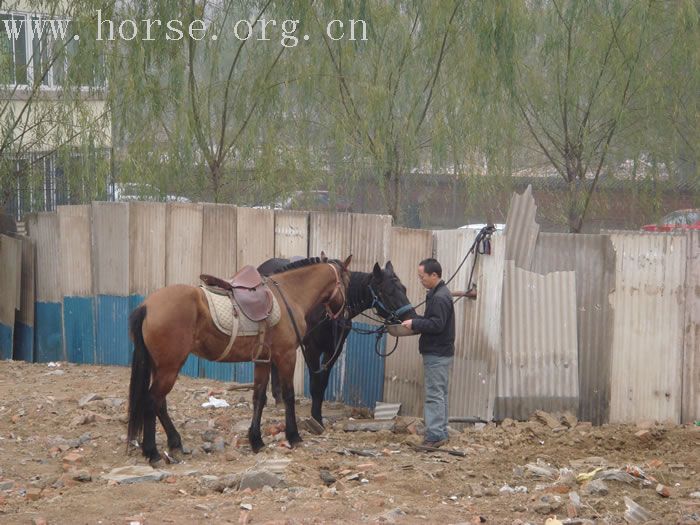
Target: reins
332	317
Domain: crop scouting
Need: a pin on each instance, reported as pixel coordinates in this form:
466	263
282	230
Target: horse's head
389	298
338	300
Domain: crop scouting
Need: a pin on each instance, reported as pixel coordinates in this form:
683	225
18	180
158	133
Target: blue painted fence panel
243	372
48	342
79	329
24	342
364	369
218	371
6	338
192	366
113	346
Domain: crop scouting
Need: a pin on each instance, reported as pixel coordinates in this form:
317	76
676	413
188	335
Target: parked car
675	221
135	191
314	200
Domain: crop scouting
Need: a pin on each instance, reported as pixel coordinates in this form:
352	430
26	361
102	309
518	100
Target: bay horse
380	290
175	321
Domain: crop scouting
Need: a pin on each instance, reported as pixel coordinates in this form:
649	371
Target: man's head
429	273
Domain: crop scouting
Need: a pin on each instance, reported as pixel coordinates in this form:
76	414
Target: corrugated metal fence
606	325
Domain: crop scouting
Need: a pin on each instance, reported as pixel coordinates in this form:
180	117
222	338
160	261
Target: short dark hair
431	265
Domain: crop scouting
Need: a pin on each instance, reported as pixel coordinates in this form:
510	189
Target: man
437	346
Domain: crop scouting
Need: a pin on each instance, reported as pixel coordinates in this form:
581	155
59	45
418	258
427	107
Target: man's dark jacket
437	325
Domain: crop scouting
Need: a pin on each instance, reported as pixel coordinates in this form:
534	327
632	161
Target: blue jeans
436	373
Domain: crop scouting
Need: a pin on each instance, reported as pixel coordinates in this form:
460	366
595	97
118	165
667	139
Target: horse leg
319	381
163	381
174	440
262	375
276	390
286	375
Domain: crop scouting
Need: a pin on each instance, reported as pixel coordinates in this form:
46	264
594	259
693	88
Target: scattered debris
663	491
135	474
636	513
88	398
257	479
311	425
215	403
356	452
327	477
542	469
240	386
368	426
451	452
507	489
386	411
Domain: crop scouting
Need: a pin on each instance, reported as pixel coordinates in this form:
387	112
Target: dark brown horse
175	321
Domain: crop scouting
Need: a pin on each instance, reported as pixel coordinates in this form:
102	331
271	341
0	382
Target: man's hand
407	323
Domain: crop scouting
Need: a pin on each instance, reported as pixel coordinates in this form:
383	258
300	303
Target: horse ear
377	271
347	262
389	267
324	258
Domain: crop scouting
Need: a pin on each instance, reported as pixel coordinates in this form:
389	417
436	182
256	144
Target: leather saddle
249	290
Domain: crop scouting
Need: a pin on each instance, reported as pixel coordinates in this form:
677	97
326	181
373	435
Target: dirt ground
54	454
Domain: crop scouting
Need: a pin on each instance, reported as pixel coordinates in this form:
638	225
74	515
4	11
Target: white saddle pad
221	311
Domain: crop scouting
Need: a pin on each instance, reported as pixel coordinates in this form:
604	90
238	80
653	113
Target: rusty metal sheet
403	370
647	348
255	236
331	233
291	234
147	236
48	332
24	326
26	311
477	336
593	259
43	229
538	366
370	241
75	261
10	284
110	234
183	245
521	229
690	408
219	234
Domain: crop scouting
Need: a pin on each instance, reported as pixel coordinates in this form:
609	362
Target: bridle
338	288
393	316
329	312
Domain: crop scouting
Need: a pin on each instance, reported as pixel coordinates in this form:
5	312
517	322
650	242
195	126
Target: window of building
33	50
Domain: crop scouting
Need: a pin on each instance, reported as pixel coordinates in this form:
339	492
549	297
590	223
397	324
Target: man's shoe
435	444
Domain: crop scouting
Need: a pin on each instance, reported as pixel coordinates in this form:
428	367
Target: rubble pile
63	453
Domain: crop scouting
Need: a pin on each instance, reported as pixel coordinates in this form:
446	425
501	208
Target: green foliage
476	90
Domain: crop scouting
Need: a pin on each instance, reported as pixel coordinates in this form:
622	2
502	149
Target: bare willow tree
383	87
583	78
201	114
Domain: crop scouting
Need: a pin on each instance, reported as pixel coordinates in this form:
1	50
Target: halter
394	315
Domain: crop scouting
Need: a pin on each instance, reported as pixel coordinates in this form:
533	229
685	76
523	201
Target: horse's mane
298	264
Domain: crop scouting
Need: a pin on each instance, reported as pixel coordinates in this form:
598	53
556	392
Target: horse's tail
140	375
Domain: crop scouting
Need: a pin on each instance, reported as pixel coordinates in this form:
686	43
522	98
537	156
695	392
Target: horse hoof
257	446
157	462
294	440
